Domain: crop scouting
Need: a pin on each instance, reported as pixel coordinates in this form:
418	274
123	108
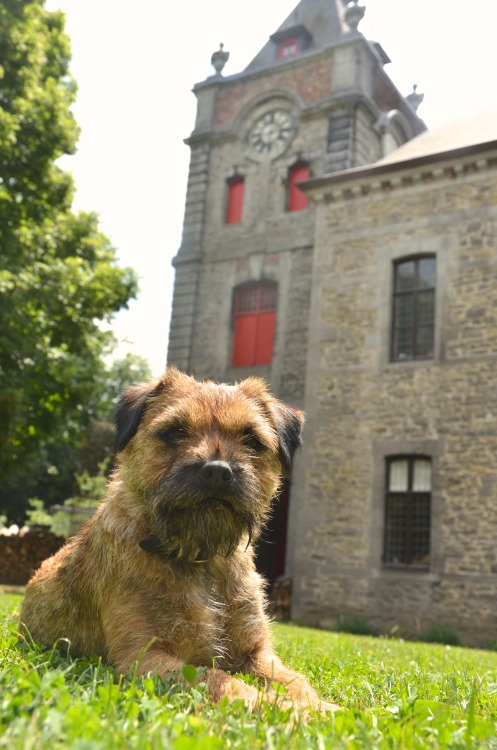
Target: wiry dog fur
163	574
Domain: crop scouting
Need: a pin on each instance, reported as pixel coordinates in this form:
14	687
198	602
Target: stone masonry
330	95
340	102
362	407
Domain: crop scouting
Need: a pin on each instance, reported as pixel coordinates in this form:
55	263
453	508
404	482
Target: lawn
395	695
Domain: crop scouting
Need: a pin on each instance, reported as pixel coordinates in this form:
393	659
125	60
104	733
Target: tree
97	442
59	279
122	372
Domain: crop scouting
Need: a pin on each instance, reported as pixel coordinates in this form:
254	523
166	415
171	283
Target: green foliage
355	625
47	474
58	275
121	373
440	633
37	515
91	490
96	445
64	522
394	695
92	487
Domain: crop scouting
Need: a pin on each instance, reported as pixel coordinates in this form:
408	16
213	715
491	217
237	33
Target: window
413	321
408	511
288	48
254	322
296	199
234	200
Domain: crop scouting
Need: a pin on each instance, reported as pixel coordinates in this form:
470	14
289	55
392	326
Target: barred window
408	511
413	320
254	321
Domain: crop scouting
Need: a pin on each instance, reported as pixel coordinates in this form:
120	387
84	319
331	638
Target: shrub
439	633
66	519
356	625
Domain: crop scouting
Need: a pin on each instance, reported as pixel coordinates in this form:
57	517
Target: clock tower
315	99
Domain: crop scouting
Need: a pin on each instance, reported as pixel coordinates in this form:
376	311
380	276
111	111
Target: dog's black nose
216	473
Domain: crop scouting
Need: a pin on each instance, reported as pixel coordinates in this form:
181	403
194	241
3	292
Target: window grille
408	511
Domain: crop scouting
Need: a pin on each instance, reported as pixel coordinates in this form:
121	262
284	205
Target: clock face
272	133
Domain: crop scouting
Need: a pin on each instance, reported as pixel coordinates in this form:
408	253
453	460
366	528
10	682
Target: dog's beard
198	532
193	526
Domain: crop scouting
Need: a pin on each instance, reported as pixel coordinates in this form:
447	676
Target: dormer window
290	42
288	48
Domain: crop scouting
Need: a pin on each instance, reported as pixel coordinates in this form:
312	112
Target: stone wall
331	97
362	408
311	79
187	261
211	346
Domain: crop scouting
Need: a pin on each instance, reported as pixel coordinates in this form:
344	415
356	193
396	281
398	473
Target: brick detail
311	79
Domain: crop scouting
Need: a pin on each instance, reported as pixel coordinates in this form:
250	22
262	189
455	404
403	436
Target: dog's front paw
223	685
313	709
324	707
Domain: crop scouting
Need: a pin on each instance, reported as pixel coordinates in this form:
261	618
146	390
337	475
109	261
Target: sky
135	65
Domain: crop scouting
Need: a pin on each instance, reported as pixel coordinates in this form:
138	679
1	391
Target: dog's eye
253	442
172	435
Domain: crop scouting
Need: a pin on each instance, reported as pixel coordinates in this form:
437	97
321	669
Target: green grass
395	695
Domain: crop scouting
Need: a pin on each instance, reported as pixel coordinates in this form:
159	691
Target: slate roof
323	19
473	130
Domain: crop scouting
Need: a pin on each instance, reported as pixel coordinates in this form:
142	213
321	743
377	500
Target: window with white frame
408	511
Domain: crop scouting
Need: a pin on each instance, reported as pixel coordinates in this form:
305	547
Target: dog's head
204	460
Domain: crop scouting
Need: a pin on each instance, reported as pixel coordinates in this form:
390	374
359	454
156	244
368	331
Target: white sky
135	64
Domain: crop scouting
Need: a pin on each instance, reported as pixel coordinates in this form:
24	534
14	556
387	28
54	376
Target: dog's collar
152	545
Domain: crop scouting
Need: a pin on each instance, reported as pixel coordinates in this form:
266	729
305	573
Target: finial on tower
354	14
414	98
219	59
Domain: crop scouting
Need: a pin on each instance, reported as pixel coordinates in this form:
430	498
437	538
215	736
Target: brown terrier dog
163	574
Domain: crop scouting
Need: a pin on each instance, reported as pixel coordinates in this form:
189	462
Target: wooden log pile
22	553
280	600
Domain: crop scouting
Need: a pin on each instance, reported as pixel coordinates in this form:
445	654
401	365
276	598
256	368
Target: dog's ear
287	421
130	409
134	401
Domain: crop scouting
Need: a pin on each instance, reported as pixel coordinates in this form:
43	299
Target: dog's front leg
264	663
220	684
156	660
131	645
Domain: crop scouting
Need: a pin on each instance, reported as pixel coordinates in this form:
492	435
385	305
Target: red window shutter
254	324
234	202
297	200
265	338
244	341
288	48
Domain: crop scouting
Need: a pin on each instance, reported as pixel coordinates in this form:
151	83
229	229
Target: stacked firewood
23	550
280	599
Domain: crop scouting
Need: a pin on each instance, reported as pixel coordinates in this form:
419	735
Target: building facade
400	472
349	297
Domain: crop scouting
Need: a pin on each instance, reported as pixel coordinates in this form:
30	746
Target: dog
163	574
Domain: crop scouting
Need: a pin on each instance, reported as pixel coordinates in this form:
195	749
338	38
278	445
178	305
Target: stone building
367	299
399	476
